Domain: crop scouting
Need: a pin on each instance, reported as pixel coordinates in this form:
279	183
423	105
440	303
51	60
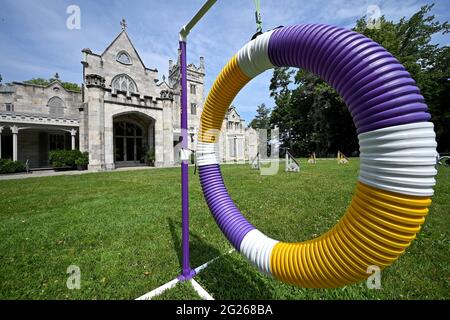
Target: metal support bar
184	32
258	16
187	272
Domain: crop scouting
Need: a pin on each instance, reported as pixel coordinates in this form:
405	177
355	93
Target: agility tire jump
397	155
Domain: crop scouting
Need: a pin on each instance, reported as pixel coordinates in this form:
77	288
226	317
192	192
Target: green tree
325	125
262	118
281	115
37	81
409	41
314	117
71	86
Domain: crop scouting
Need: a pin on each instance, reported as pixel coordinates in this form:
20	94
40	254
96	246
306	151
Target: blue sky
35	42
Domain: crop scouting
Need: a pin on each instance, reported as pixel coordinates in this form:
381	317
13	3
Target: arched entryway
133	136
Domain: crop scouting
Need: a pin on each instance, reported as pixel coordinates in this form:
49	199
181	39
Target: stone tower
196	96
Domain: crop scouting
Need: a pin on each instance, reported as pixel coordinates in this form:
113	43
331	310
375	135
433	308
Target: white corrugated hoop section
253	58
257	248
400	158
207	153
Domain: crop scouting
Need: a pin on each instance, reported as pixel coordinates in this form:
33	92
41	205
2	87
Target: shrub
83	161
64	158
9	166
151	156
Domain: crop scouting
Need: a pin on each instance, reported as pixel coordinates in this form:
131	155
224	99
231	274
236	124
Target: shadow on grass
233	278
200	251
229	277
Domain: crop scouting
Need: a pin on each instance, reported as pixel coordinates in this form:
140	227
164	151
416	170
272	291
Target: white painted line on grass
203	266
173	283
158	291
201	292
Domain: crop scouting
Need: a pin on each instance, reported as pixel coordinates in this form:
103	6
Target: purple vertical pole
187	272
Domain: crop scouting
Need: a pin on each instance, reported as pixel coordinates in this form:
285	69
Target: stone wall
237	142
153	115
33	99
151	98
195	77
155	100
34	145
28	143
107	66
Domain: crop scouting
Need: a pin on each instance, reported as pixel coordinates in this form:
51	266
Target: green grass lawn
123	230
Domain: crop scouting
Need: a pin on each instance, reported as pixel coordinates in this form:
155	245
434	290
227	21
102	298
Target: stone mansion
123	110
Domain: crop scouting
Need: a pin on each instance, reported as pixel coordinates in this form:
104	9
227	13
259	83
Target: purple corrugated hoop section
227	215
377	89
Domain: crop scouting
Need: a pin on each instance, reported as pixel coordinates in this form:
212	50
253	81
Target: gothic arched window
124	57
56	106
123	82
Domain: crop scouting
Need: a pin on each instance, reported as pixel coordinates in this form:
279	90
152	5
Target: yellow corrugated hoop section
227	85
376	229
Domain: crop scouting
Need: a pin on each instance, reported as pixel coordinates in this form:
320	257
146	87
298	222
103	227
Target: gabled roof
56	81
164	82
131	43
233	108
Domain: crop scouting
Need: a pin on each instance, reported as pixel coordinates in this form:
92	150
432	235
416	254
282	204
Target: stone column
235	149
96	122
73	133
167	132
151	135
83	134
15	132
1	130
159	139
109	143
